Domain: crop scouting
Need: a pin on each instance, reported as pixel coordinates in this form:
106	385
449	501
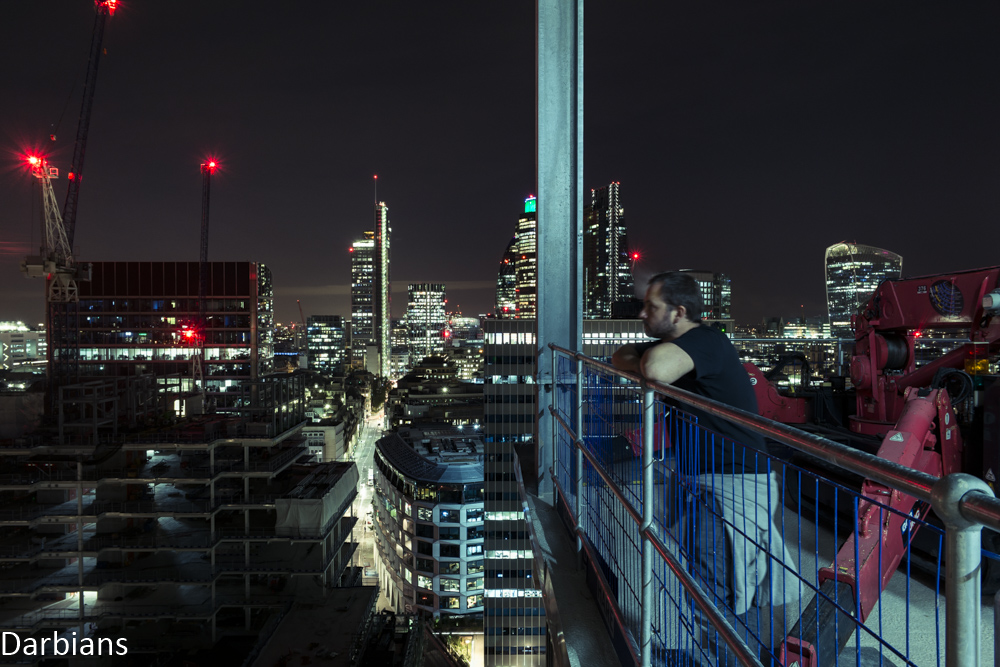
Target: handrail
964	503
981	508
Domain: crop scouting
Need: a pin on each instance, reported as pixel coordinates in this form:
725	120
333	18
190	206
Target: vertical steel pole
963	564
646	644
580	518
559	106
555	425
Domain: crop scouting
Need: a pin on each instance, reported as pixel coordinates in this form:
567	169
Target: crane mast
103	9
207	169
55	263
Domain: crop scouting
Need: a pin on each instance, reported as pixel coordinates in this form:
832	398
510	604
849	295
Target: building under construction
122	522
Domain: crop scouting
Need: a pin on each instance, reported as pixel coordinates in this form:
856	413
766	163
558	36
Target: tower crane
55	262
302	317
207	169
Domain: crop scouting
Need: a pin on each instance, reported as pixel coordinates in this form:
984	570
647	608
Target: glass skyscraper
506	301
426	319
853	271
526	260
362	287
325	336
607	266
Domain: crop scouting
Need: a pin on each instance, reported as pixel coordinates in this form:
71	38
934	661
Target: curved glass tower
853	271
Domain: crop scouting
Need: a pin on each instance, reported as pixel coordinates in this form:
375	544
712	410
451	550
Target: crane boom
103	9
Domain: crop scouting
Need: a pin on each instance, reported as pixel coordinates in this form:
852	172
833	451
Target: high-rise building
526	259
515	616
382	312
426	319
853	271
506	301
429	520
325	335
607	265
362	297
716	293
144	317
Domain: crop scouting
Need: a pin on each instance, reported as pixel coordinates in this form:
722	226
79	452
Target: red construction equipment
925	419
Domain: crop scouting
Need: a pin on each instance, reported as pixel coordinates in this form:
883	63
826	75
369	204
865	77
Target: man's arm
627	358
665	363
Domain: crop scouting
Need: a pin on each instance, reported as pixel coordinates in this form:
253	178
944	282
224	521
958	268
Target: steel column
646	643
963	562
559	109
579	463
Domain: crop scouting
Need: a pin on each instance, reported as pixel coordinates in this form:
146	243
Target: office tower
607	265
382	323
506	299
716	293
325	335
853	271
514	622
515	629
429	520
426	319
526	259
143	317
362	297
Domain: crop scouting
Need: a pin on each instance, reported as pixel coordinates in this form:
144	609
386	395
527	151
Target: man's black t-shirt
718	374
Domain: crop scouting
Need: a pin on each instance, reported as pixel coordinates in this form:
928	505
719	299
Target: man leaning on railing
724	471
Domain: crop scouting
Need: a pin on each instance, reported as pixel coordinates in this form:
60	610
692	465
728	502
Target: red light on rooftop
33	160
635	255
350	249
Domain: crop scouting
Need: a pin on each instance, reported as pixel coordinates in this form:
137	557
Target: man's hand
626	358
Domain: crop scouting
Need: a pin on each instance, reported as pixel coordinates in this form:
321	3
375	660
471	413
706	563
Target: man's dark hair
680	289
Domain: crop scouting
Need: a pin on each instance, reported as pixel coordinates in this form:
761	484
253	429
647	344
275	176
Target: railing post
579	463
646	643
963	564
555	425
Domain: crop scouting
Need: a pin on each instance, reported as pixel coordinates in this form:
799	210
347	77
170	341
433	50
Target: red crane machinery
55	262
940	418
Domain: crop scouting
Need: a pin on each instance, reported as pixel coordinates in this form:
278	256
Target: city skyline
750	138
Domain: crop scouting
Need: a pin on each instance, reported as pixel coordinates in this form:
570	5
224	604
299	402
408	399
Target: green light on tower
530	205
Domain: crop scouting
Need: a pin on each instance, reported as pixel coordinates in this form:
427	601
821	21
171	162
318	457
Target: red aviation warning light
111	6
209	166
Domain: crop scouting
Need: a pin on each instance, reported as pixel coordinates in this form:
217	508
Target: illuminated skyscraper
853	271
607	266
426	319
362	297
506	303
382	316
325	334
716	293
526	260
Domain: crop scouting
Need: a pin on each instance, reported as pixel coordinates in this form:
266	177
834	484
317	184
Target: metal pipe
646	643
963	561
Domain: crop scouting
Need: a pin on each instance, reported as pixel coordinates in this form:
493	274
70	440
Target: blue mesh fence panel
767	546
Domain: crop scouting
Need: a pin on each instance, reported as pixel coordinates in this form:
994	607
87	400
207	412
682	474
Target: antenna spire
376	188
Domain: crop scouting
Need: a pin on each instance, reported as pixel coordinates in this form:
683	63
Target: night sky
747	137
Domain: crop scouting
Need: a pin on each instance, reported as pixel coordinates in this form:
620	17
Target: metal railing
633	498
